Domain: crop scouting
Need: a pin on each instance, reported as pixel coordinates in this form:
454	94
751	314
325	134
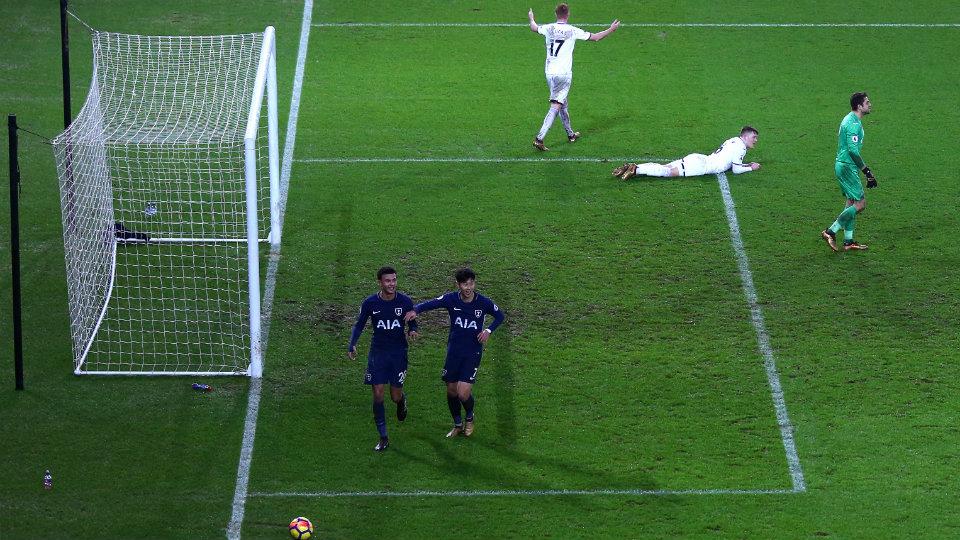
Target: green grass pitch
628	362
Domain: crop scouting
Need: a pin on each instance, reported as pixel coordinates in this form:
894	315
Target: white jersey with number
561	37
728	156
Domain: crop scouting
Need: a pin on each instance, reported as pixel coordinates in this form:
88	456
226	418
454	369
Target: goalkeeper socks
380	418
468	407
652	169
547	122
454	403
847	217
565	118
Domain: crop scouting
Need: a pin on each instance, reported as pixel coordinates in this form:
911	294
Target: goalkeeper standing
847	165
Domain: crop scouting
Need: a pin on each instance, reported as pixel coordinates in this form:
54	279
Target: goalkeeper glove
871	180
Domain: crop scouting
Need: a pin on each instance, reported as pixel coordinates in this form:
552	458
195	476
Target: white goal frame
265	87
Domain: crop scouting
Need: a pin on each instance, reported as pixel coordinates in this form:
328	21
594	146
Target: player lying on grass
728	157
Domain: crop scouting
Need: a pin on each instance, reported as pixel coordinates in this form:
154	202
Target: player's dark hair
465	274
563	11
384	270
857	100
748	129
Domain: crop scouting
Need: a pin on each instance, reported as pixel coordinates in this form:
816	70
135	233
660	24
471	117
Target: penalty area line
763	338
525	493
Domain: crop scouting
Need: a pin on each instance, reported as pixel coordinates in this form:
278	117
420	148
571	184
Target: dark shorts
461	367
386	367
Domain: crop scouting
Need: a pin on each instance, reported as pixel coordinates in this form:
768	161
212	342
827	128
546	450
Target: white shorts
559	86
692	165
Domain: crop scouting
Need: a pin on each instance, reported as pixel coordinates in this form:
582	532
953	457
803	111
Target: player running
387	359
561	38
729	157
467	309
847	168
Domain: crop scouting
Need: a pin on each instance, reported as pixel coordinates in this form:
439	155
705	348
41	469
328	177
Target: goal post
169	189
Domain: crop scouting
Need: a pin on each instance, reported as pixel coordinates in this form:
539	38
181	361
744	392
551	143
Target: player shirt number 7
560	39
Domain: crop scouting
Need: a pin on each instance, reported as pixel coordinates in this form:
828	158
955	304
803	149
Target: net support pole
273	129
253	258
65	63
15	250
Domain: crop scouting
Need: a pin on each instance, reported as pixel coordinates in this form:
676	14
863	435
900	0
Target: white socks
653	169
547	122
565	118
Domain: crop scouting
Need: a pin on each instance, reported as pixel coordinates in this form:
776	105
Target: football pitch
681	357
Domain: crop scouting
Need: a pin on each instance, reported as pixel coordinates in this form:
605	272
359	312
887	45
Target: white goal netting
166	178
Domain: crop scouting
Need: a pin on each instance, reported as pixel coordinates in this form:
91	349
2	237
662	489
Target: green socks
846	221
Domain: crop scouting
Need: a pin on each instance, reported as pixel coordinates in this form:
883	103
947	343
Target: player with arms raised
561	38
467	309
729	157
387	359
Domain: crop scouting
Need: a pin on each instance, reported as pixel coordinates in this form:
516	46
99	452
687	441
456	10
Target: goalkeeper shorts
849	178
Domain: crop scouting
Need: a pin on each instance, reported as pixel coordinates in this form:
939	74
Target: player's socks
565	118
380	417
835	228
454	403
848	234
547	122
402	408
652	169
847	217
468	407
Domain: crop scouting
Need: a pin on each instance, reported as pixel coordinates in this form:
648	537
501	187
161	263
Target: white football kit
728	157
560	40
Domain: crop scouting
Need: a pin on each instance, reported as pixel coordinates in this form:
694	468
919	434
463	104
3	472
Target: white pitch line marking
481	160
528	493
763	338
634	25
253	398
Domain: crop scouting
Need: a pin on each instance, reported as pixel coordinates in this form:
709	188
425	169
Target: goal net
169	192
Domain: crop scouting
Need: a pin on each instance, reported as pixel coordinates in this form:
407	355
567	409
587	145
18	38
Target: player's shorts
692	165
386	367
849	177
559	86
461	367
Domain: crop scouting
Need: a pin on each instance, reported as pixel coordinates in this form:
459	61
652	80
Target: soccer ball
301	528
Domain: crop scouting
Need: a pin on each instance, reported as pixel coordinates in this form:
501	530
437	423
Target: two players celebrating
387	359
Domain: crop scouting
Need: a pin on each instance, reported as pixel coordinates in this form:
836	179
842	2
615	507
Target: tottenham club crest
478	312
398	311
